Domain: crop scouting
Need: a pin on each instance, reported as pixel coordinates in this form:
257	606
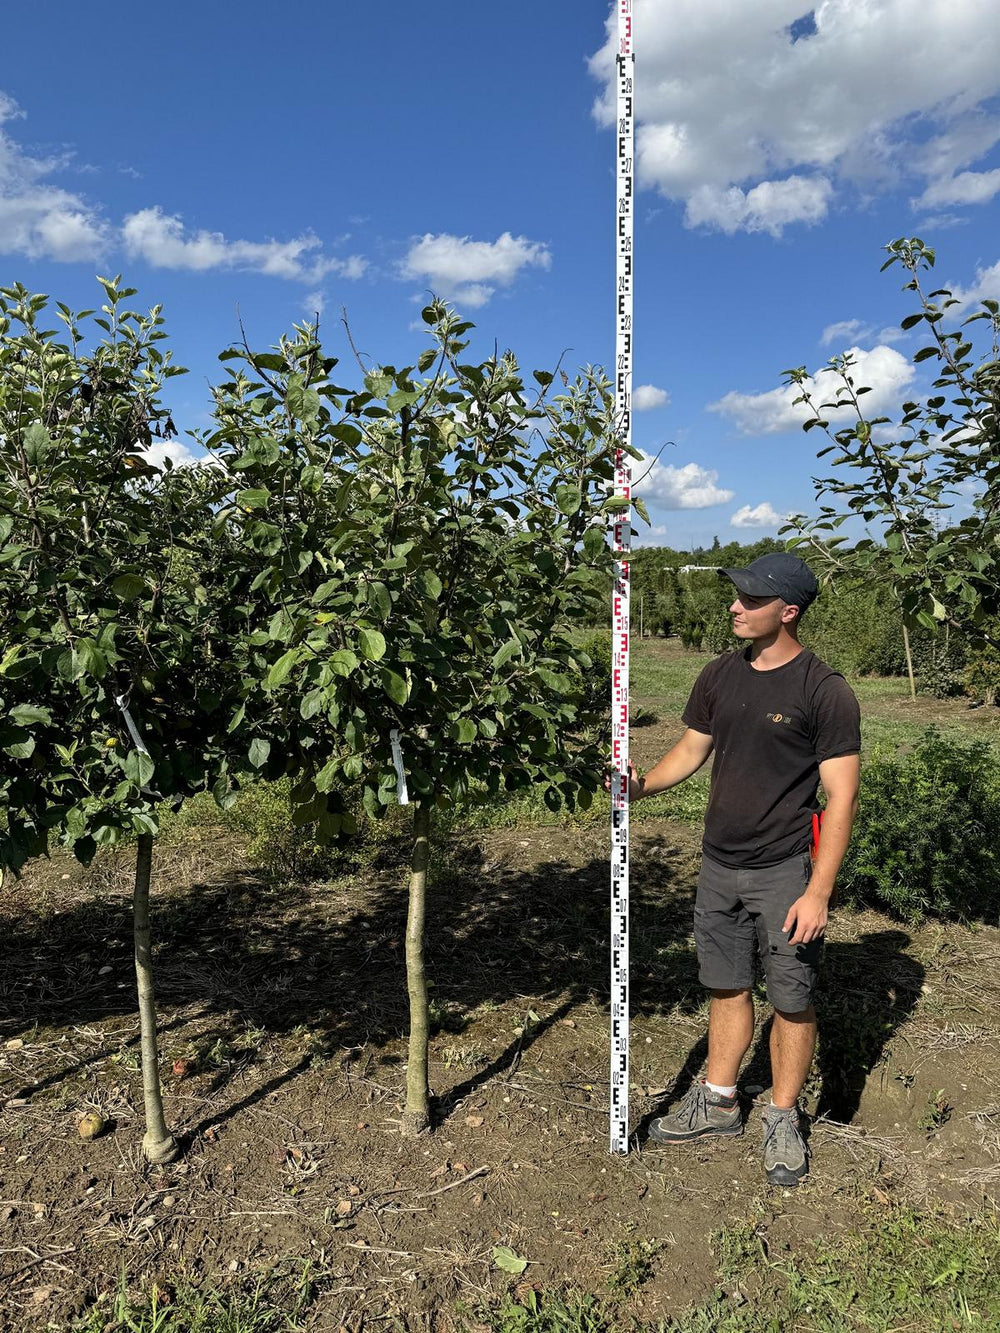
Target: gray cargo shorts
740	912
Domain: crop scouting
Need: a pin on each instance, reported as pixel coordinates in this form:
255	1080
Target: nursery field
297	1204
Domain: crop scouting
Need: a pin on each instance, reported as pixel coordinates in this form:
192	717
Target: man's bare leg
793	1041
714	1111
730	1032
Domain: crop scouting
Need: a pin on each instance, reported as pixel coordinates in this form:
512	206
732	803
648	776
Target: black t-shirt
771	731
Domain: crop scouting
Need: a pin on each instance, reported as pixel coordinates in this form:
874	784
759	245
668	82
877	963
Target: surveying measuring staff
621	539
780	722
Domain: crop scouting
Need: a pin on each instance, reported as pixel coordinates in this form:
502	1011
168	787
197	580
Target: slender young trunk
909	661
158	1143
417	1116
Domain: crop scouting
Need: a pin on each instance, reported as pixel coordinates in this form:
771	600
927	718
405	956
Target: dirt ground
285	1007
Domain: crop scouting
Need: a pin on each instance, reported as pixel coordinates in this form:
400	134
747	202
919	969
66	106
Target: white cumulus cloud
648	396
763	515
687	487
161	240
41	220
848	331
985	287
968	187
884	370
769	206
845	330
755	119
468	271
38	219
176	451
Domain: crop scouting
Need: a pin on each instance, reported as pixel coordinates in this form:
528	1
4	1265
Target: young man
779	721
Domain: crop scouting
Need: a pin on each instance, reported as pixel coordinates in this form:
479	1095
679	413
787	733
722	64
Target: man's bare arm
808	915
686	757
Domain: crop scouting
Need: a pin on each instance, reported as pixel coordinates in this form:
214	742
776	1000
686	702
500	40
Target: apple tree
904	474
425	546
114	669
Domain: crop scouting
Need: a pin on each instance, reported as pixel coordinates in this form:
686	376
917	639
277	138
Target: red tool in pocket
814	848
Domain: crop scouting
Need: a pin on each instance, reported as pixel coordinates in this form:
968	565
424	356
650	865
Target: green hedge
927	838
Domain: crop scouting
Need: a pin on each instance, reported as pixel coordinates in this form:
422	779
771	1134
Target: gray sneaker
786	1159
700	1113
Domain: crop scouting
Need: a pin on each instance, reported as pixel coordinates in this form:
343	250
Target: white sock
721	1092
783	1110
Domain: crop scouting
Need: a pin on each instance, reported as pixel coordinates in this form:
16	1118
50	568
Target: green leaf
256	498
87	660
595	542
259	750
640	509
139	768
464	731
129	587
378	383
37	443
342	662
505	1258
378	597
431	584
372	644
568	499
395	686
225	796
312	479
402	398
312	703
302	402
508	650
279	672
24	715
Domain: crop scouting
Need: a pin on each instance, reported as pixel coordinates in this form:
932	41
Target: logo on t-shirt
780	717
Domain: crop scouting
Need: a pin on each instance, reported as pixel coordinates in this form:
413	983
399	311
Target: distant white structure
688	569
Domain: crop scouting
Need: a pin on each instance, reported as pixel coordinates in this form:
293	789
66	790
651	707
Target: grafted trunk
417	1116
158	1143
909	661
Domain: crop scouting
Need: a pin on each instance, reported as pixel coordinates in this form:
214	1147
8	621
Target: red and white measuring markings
622	546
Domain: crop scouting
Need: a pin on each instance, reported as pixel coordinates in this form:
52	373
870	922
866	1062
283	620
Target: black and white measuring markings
621	535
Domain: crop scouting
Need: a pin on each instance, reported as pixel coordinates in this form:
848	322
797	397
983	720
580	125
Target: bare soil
282	1021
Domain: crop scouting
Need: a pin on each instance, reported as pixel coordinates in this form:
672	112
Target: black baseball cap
778	575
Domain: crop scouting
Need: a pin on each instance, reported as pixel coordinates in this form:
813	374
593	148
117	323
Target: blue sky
276	160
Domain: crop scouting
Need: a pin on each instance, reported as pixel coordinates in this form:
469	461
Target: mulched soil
283	1014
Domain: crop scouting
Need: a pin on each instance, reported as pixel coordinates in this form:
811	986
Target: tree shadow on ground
248	955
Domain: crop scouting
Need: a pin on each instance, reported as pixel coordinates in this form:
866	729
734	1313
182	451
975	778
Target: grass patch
277	1301
669	678
902	1270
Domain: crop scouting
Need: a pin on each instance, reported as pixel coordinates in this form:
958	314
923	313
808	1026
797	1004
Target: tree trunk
158	1143
909	662
417	1116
